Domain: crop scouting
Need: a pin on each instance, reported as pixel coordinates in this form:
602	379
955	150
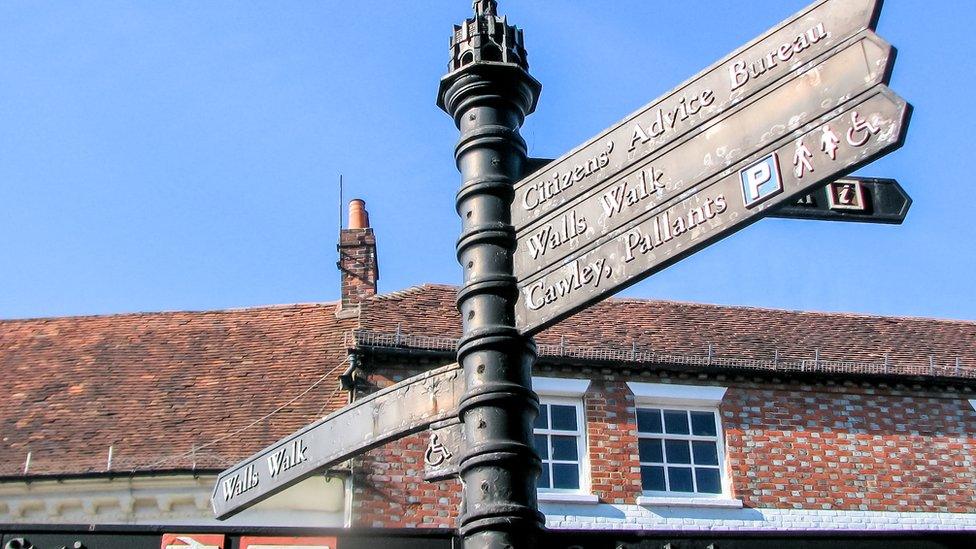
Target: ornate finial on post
485	7
486	37
489	92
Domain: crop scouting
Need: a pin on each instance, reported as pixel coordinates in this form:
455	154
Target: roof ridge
410	290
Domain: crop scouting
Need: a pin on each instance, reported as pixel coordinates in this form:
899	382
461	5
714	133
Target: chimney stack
357	263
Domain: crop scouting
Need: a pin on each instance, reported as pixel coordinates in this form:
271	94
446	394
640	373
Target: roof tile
161	388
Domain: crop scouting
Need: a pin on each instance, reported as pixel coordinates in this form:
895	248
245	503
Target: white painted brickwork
177	500
636	517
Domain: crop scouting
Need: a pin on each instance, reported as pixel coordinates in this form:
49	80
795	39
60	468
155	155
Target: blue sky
184	155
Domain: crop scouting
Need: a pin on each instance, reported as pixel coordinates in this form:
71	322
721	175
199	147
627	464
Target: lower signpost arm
853	199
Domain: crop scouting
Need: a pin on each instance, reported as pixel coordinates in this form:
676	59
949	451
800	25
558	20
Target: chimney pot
358	218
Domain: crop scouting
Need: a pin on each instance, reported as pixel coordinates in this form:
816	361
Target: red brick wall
788	445
389	489
358	265
851	447
388	486
611	432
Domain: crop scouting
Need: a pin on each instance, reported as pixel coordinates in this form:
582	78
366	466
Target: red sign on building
248	542
193	541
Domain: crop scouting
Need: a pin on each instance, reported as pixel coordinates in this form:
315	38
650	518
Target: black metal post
488	92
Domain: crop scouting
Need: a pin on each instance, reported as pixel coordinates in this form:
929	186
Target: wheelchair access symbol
761	181
436	453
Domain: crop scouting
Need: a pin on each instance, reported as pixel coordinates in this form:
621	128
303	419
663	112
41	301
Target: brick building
655	415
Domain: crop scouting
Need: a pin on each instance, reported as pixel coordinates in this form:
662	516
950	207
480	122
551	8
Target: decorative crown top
486	38
485	7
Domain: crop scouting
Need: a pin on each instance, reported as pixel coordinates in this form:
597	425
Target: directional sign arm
394	412
863	129
852	199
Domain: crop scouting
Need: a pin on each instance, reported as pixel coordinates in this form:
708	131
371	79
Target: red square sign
193	541
248	542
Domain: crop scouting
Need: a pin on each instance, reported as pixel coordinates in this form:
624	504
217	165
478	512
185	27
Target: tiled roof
174	391
692	333
159	387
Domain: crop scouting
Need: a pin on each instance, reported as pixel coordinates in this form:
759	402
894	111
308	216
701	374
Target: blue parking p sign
761	181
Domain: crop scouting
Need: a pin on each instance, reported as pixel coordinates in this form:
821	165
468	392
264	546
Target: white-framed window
680	444
559	435
680	451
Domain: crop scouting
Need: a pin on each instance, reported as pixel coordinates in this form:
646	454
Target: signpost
785	116
405	408
858	199
864	129
564	217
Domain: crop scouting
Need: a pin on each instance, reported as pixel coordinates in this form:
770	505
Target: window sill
657	501
560	497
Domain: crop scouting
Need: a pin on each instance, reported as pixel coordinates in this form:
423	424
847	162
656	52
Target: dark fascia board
893	378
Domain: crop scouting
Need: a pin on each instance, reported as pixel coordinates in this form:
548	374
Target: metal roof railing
642	355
